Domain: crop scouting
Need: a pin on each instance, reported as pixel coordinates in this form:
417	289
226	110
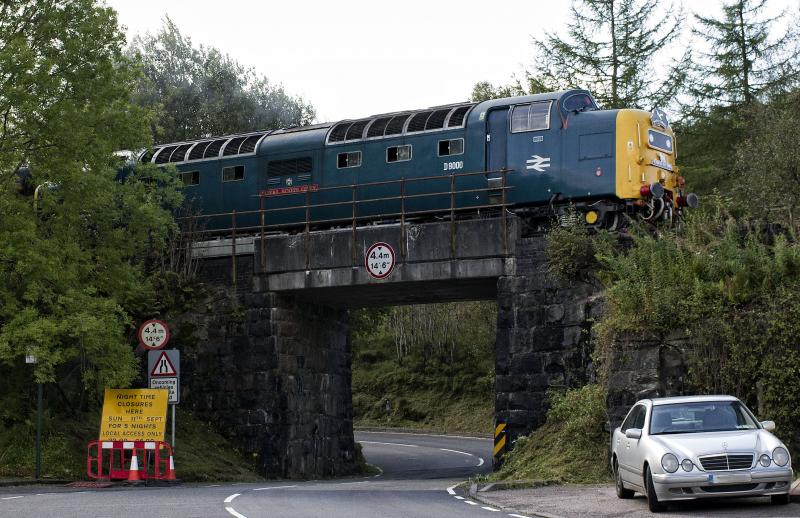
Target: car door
623	444
636	449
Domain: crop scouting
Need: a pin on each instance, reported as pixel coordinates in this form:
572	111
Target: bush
733	287
572	250
572	446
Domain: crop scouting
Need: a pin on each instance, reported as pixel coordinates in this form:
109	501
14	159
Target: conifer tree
611	48
744	63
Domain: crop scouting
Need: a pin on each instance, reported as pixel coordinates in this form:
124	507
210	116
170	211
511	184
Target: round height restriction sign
153	334
380	260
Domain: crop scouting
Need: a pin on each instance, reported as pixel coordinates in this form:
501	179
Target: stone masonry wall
543	337
641	368
274	375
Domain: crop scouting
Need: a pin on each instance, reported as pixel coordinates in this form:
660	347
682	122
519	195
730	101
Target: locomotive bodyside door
496	139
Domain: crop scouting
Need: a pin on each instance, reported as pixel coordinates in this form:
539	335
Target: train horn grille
727	462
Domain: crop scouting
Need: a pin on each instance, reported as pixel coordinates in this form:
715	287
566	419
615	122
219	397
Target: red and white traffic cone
171	468
133	473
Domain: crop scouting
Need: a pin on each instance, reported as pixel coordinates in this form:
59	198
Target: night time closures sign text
134	415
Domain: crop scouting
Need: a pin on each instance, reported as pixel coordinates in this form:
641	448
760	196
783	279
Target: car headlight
764	460
687	465
670	463
780	456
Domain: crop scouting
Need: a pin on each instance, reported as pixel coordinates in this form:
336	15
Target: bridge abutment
543	337
274	375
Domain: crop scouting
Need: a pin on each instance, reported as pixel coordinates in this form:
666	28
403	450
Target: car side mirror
633	433
768	425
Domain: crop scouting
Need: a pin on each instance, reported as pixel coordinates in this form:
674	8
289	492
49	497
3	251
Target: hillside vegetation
427	367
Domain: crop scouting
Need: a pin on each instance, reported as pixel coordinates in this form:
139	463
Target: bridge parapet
451	260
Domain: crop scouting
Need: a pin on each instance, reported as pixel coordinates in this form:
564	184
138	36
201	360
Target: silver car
682	448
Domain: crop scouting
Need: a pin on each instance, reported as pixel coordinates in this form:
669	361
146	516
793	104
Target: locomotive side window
531	117
349	159
398	153
189	178
451	147
233	173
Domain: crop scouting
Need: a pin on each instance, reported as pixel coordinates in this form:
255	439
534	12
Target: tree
484	90
767	167
73	277
744	68
611	49
199	91
744	63
63	87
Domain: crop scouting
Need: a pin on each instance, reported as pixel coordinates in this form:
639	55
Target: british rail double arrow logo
538	163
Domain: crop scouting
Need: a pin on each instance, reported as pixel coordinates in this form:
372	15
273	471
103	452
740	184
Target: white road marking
272	487
456	451
490	509
379	474
519	516
234	513
10	497
213	485
390	444
450	489
470	502
480	461
459	497
230	498
488	437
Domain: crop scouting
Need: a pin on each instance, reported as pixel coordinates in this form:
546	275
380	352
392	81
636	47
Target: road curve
418	472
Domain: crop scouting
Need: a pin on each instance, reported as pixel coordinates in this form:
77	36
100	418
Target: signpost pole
173	426
39	431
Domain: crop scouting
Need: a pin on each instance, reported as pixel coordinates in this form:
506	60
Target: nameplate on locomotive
296	189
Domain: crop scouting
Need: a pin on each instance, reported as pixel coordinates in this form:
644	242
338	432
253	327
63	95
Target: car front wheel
622	492
652	499
780	499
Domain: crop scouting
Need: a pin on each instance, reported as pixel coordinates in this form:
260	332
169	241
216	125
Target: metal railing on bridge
496	199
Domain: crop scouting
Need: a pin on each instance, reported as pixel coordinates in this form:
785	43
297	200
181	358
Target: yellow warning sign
134	415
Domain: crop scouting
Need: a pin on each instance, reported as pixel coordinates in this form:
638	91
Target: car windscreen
711	416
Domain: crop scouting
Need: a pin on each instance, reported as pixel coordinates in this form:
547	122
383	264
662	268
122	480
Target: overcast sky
353	58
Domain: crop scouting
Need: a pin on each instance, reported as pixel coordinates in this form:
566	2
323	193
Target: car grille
727	462
729	488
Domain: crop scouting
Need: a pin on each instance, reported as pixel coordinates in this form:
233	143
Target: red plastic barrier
111	460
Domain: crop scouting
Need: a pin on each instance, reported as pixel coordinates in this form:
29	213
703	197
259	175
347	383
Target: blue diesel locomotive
545	152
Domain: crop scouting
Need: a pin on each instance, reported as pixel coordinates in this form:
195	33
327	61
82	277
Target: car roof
688	399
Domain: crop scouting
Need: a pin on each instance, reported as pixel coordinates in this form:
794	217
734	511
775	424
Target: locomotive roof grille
203	149
418	121
232	148
163	156
377	128
356	130
213	149
457	117
340	131
179	153
432	119
395	126
249	144
437	118
197	151
148	155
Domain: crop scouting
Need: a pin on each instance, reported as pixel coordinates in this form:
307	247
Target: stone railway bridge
270	357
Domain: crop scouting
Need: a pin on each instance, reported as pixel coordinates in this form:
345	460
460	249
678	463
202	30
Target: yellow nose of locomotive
646	169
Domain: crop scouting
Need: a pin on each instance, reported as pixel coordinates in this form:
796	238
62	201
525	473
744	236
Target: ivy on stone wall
732	286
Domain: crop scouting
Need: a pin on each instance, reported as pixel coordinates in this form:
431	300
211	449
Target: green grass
432	397
202	454
571	447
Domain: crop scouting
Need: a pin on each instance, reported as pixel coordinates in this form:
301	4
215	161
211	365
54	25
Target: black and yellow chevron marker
499	442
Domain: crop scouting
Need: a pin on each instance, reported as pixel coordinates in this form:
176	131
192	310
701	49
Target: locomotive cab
646	171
